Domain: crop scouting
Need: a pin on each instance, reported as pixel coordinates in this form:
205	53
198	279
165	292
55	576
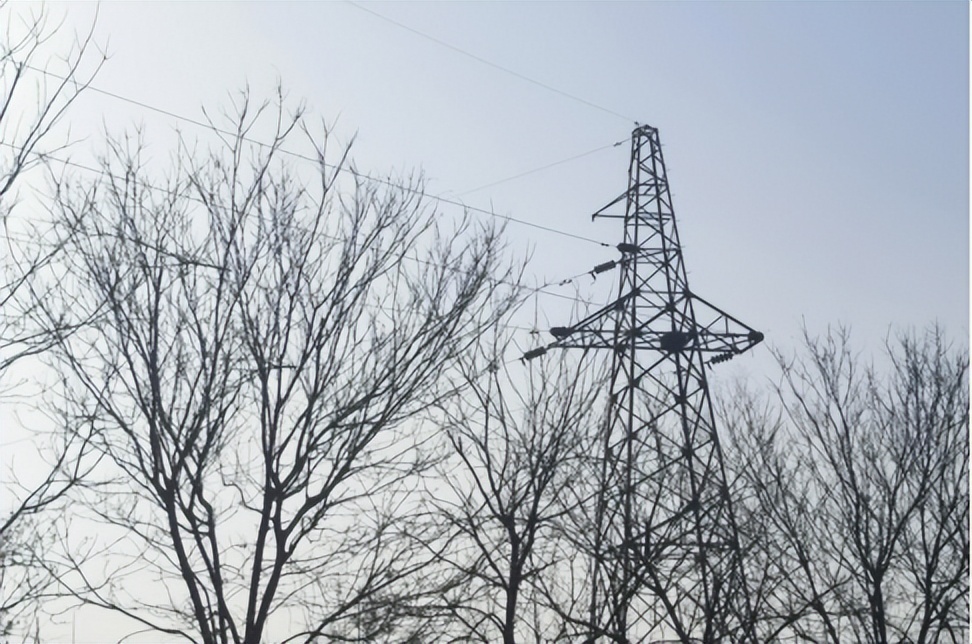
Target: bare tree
857	494
37	87
264	335
32	105
518	439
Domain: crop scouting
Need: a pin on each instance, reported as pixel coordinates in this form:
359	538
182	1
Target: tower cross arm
720	333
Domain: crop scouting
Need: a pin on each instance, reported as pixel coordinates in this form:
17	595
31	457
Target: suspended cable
489	63
542	289
545	167
438	198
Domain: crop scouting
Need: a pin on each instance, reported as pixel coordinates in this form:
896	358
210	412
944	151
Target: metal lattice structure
665	558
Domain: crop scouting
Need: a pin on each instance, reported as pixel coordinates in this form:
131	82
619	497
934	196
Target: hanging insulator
535	353
628	248
561	332
606	266
723	357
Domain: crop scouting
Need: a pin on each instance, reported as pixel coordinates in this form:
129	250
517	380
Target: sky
818	152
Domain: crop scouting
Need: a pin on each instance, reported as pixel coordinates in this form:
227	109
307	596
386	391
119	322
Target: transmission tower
663	540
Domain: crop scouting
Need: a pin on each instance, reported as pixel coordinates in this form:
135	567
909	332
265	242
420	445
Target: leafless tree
263	337
37	87
857	493
518	439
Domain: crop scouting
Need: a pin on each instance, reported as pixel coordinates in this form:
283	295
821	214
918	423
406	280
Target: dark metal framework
665	558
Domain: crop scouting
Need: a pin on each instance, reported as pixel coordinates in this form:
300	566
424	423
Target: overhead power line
544	167
490	63
445	200
536	290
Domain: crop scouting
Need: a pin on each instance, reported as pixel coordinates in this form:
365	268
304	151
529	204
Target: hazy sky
818	151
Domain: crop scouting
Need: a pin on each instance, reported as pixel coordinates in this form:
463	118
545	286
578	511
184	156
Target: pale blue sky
818	151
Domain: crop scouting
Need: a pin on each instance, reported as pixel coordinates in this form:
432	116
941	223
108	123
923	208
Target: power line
490	63
545	167
445	200
542	289
190	260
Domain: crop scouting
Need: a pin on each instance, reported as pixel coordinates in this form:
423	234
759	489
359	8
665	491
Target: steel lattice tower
665	557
